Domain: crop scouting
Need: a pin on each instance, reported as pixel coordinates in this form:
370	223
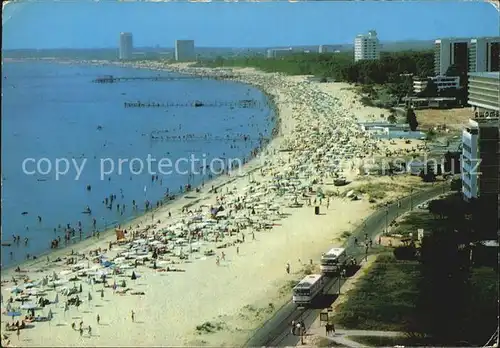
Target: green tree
460	71
411	119
430	90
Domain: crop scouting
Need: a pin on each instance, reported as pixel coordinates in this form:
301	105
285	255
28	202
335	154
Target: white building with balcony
442	82
367	47
484	92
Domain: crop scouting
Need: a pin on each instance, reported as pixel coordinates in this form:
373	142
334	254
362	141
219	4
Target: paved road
276	331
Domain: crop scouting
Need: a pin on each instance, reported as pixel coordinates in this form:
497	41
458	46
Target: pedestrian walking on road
298	328
292	329
288	267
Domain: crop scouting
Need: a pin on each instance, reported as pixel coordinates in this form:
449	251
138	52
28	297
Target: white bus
333	260
305	291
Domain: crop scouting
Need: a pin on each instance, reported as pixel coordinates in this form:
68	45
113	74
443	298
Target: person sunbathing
175	270
138	293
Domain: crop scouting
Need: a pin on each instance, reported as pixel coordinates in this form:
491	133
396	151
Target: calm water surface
53	111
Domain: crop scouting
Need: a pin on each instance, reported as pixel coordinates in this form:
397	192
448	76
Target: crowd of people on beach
290	173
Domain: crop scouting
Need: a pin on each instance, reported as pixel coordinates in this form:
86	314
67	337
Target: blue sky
90	24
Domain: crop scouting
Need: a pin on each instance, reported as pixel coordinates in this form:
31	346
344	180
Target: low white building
442	82
279	52
327	48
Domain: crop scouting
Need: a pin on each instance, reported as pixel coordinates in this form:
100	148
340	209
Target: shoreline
132	220
232	293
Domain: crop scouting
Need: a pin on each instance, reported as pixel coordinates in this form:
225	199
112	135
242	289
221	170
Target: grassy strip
384	299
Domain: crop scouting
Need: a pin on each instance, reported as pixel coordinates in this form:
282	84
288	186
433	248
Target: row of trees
393	67
457	303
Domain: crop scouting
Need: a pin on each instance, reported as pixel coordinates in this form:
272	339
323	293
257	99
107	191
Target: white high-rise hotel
367	46
484	54
474	55
126	46
451	51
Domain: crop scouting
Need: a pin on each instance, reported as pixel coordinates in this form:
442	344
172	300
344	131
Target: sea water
54	111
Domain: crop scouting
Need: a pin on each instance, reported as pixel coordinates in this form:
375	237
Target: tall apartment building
480	158
484	54
450	51
367	47
481	149
480	171
126	46
184	50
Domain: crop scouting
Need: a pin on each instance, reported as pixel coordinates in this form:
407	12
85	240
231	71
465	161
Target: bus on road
333	260
305	291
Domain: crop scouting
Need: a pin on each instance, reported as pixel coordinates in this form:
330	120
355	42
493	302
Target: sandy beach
205	275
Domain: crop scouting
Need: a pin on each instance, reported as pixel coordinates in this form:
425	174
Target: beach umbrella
16	290
33	291
56	299
14	314
28	306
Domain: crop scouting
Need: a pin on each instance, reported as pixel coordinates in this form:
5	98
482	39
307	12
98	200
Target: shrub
405	252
